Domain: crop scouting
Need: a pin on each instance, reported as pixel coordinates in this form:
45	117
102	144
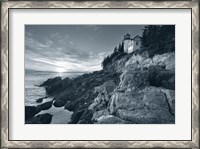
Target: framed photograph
100	74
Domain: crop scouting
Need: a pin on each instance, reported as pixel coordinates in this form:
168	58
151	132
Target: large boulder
45	106
59	102
39	100
40	119
154	109
155	99
146	116
133	80
31	111
127	101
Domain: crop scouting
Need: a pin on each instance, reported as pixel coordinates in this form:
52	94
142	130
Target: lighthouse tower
131	44
126	41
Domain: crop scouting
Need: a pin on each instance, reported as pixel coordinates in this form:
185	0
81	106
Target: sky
72	48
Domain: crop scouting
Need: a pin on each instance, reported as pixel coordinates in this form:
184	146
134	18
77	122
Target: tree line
158	39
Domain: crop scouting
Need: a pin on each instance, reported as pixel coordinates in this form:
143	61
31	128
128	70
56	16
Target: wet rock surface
40	119
45	106
40	100
31	111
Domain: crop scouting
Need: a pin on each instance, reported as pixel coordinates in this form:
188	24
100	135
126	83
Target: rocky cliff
131	89
145	93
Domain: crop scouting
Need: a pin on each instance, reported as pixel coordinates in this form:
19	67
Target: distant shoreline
30	70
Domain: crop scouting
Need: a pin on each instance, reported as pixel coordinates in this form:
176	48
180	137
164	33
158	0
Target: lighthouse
126	42
130	44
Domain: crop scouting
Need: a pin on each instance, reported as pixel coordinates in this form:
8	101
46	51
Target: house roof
137	38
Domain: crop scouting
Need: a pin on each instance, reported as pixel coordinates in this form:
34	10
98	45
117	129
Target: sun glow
60	70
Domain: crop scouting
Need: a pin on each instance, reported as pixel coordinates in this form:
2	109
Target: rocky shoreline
133	89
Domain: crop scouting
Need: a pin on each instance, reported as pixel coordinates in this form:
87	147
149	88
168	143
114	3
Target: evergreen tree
158	39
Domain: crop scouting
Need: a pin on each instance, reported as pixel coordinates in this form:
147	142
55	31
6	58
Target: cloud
58	51
92	63
96	28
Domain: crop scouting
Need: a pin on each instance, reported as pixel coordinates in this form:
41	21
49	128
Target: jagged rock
100	102
81	113
133	80
134	61
166	60
102	98
143	53
86	117
66	83
100	113
52	85
82	85
117	65
127	101
54	88
70	105
76	117
31	111
51	81
40	119
106	88
111	119
45	106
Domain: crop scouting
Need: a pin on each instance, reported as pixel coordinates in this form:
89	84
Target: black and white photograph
99	74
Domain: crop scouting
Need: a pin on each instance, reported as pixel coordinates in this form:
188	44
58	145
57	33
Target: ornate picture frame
6	6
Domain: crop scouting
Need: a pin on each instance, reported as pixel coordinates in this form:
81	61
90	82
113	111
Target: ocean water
33	92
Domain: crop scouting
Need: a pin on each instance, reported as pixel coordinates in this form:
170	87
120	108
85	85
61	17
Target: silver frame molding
6	143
